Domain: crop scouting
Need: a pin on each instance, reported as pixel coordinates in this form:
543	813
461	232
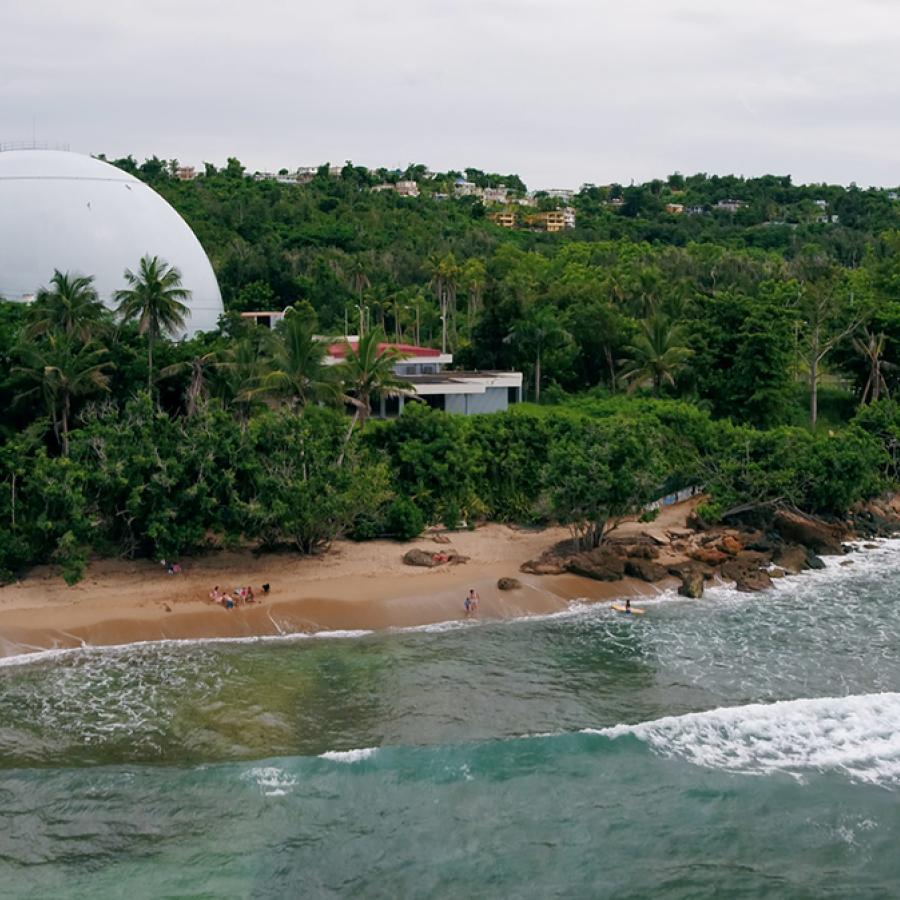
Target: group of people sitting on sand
240	596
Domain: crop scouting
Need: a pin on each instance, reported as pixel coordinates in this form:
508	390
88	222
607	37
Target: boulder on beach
417	557
509	584
430	559
544	565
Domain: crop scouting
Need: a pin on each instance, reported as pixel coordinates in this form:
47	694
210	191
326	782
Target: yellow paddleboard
618	607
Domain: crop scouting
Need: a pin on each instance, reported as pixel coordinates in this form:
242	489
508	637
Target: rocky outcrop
509	584
600	564
417	557
430	559
547	564
645	569
746	575
730	545
819	536
792	558
708	555
692	583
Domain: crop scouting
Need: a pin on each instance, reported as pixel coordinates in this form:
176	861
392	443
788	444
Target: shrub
404	520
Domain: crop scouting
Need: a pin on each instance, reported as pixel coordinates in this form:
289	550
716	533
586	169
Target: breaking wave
858	736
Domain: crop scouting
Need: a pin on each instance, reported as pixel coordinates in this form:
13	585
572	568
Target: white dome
70	212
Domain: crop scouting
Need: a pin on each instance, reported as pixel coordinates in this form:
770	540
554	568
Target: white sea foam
272	781
856	735
349	756
23	659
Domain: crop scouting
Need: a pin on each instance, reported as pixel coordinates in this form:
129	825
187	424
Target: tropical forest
739	335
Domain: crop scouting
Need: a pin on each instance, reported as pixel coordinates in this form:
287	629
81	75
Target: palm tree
359	282
70	306
537	332
201	368
871	346
367	374
444	272
63	368
657	353
241	370
155	299
297	369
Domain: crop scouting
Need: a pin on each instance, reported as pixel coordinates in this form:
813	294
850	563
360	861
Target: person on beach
471	603
266	588
227	601
214	595
627	606
248	595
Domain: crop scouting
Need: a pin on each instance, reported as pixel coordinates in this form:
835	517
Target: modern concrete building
464	393
62	210
422	368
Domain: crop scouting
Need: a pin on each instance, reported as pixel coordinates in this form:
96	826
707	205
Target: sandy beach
354	586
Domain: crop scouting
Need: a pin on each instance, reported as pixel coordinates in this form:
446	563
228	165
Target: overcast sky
560	91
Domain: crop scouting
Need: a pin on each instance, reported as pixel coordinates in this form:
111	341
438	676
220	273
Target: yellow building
555	220
506	219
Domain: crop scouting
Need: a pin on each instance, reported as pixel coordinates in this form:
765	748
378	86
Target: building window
391	407
436	401
427	370
512	395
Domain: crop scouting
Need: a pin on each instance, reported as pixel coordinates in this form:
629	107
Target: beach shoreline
367	586
356	586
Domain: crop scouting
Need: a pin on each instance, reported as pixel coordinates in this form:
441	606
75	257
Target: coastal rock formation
746	575
708	555
600	564
645	569
819	536
730	544
792	558
509	584
547	564
692	583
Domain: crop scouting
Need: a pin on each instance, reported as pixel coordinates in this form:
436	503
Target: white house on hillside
466	393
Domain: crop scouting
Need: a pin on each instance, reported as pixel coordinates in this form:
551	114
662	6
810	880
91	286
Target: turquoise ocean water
738	746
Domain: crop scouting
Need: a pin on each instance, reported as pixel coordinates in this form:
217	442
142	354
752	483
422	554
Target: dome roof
61	210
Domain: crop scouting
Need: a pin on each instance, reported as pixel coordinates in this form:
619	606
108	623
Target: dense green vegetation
752	351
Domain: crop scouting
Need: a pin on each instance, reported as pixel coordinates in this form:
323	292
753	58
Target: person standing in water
471	603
